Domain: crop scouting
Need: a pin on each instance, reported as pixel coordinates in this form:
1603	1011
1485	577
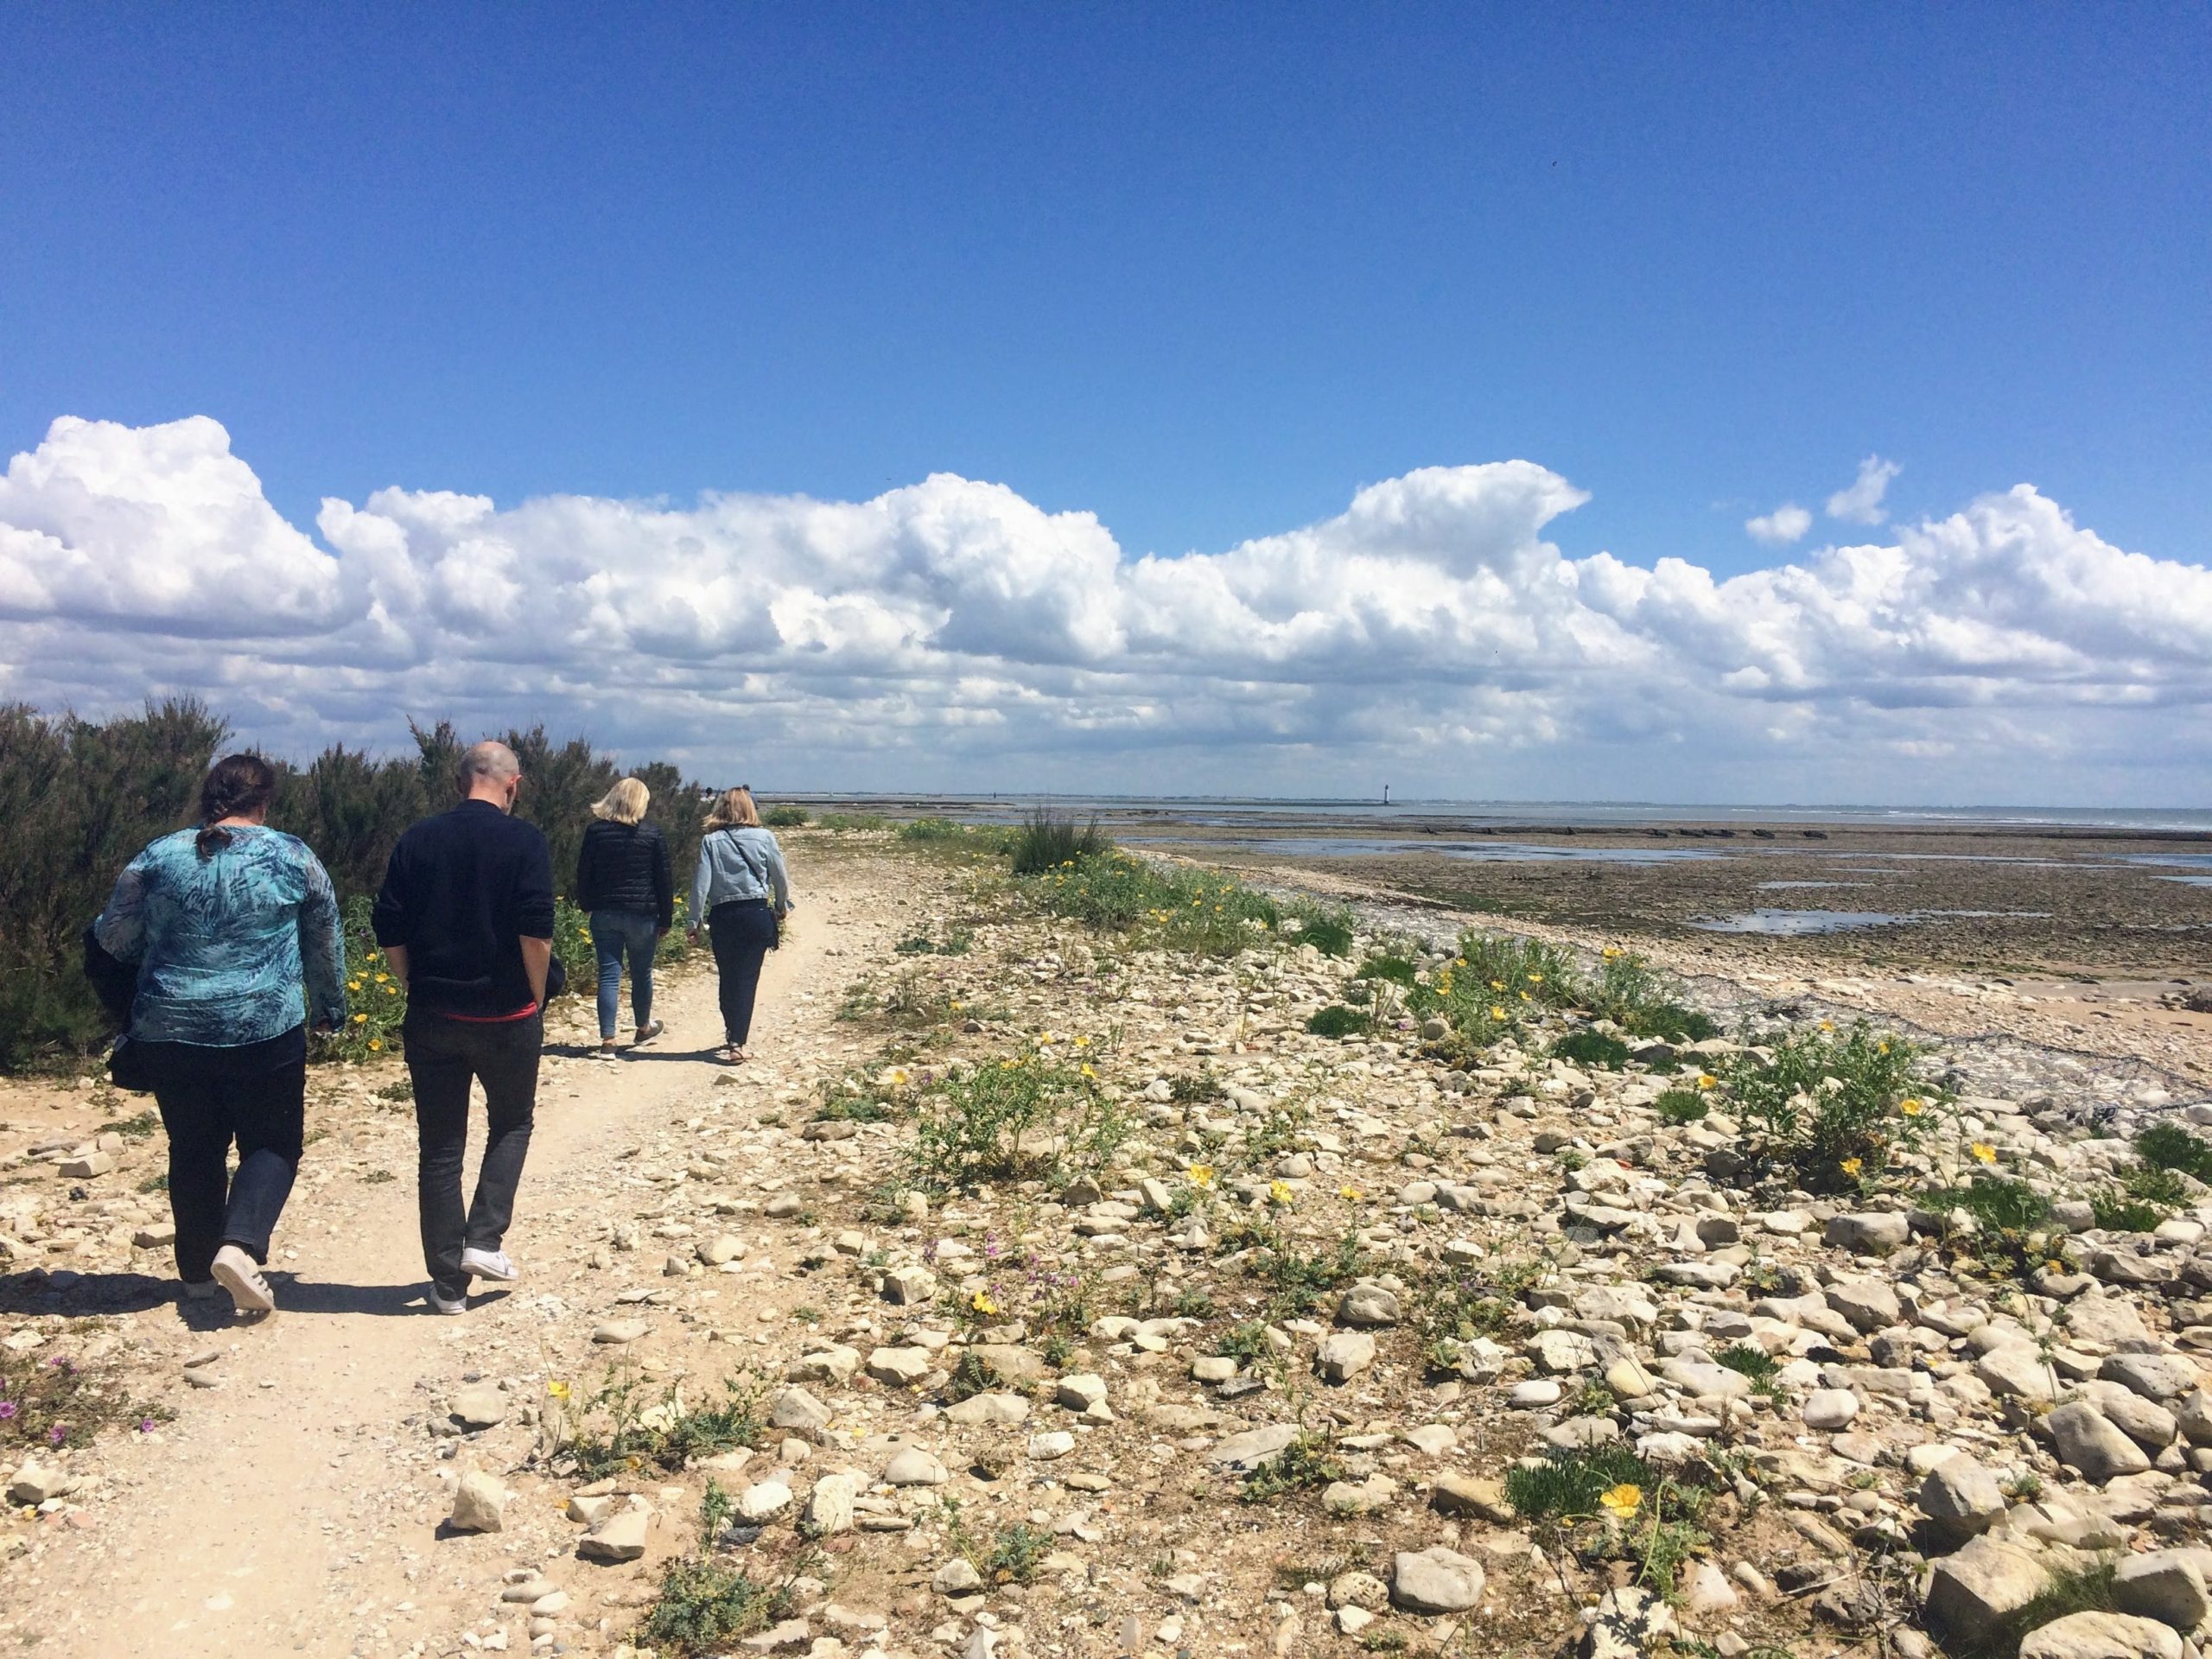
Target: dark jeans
442	1057
615	934
256	1095
743	931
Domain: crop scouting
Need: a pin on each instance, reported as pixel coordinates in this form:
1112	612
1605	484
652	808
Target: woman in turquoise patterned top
234	928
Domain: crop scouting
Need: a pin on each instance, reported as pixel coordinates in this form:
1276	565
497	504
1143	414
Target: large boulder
1967	1592
1436	1580
1961	1499
2083	1436
2103	1636
1875	1233
2166	1585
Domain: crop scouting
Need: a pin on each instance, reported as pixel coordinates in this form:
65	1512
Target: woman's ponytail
238	784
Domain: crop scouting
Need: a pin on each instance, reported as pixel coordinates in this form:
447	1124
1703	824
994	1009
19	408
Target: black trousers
743	933
443	1056
256	1095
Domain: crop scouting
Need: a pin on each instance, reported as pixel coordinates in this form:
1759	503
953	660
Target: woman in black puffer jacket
623	880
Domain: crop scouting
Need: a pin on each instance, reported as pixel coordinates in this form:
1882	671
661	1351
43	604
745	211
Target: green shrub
705	1607
1585	1045
1997	1203
1681	1105
785	817
2166	1145
1509	966
2118	1212
1749	1360
1305	1463
668	1432
1002	1120
1050	841
1398	970
1327	928
2149	1183
1338	1020
1643	1001
1566	1485
1300	1279
1176	908
1828	1106
928	830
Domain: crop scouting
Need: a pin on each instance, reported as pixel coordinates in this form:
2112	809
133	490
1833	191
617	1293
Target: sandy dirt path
282	1511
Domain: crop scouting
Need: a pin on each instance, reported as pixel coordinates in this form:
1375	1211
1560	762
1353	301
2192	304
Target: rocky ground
1243	1359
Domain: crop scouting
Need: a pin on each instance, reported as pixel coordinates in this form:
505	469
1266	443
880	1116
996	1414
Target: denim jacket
740	863
224	943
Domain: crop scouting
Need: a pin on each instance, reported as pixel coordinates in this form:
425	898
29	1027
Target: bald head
489	772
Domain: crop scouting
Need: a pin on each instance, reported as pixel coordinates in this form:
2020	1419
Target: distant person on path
623	882
228	924
743	894
465	919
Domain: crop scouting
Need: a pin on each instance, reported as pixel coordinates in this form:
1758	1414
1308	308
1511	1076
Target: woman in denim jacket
742	892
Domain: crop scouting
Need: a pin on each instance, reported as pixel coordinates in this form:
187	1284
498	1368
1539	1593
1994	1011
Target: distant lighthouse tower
1386	794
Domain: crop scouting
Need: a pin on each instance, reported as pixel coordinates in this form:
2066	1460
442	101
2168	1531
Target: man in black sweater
466	919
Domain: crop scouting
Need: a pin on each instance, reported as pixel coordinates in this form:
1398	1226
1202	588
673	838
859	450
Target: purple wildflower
7	1410
145	1425
57	1434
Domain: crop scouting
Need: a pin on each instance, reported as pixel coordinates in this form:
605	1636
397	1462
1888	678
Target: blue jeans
612	933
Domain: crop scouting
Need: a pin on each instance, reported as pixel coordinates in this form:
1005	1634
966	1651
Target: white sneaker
489	1264
439	1304
237	1273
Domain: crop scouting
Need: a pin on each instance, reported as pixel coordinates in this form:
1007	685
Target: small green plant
2166	1145
987	1122
1998	1204
1189	1088
705	1607
1681	1105
1398	970
2116	1212
378	1177
1300	1278
1305	1463
972	1374
1754	1363
1569	1485
134	1129
1338	1021
1247	1343
1585	1045
668	1432
785	817
1829	1106
850	821
1643	1001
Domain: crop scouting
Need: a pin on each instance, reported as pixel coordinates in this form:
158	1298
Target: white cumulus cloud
1786	524
951	633
1859	502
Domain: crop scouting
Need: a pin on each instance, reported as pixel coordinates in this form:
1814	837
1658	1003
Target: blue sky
1203	272
1200	271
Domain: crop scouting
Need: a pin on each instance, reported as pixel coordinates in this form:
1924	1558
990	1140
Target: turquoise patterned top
221	941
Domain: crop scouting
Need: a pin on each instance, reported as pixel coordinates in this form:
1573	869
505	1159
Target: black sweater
462	891
625	866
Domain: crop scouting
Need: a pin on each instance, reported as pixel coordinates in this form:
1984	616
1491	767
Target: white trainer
439	1304
489	1264
239	1273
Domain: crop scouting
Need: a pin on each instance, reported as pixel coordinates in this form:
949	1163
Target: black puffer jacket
625	866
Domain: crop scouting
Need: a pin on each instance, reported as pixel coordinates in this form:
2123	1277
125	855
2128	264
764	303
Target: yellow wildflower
1536	979
376	1045
360	1018
1350	1193
558	1391
1611	952
897	1079
1910	1107
1279	1192
982	1302
1707	1080
1622	1500
1498	984
1983	1152
1087	1071
1201	1174
1498	1013
1852	1165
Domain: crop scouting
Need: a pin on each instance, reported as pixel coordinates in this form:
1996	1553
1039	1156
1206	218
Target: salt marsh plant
1051	840
1000	1120
1828	1108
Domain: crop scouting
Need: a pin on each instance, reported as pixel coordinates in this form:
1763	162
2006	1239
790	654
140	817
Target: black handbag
115	981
